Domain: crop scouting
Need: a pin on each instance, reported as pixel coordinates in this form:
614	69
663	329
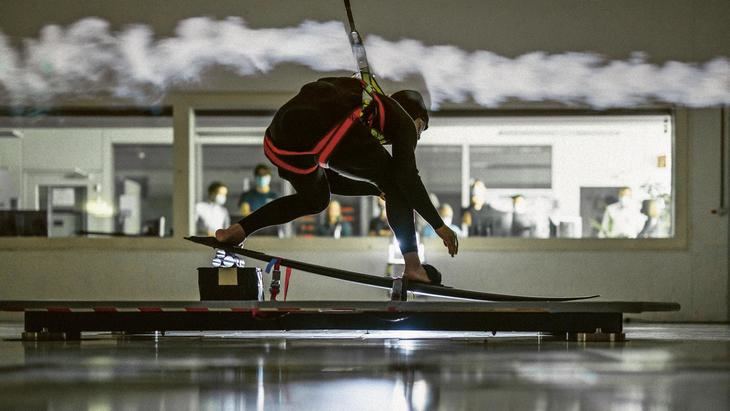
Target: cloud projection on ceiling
87	58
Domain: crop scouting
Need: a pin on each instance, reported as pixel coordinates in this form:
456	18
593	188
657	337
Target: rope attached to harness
358	51
371	92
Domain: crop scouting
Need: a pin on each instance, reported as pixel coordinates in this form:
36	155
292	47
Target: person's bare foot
418	275
231	235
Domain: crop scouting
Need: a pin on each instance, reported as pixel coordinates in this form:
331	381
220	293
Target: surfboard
377	281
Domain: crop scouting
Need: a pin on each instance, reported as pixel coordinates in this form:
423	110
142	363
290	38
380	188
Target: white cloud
87	59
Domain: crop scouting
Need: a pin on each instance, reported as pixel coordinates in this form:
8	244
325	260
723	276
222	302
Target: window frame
185	105
184	142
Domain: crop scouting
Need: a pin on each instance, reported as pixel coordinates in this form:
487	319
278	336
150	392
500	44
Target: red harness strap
324	148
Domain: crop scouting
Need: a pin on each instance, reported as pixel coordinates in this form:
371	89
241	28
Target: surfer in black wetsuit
325	140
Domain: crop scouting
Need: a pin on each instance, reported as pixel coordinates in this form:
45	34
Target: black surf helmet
412	102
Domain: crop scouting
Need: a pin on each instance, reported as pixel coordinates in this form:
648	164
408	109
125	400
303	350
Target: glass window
441	172
512	167
249	180
143	179
574	177
233	177
53	182
85	176
555	176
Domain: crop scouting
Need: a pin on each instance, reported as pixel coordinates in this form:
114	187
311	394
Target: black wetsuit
300	123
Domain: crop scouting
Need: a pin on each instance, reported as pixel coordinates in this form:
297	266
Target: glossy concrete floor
662	367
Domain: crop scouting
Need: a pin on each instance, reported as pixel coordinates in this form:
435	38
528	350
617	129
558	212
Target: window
512	167
535	177
557	176
561	176
143	189
235	166
86	176
578	166
440	167
56	172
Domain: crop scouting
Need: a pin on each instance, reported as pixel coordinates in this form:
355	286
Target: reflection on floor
662	367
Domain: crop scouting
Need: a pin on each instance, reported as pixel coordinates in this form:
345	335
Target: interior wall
696	277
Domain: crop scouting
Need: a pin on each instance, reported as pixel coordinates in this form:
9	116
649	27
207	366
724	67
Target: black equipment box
235	283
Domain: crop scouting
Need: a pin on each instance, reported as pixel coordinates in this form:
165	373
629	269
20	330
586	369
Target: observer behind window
260	194
210	215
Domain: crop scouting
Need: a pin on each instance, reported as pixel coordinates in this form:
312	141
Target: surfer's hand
450	239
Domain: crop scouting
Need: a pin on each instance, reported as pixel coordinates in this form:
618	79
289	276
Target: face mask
625	201
448	220
220	199
263	181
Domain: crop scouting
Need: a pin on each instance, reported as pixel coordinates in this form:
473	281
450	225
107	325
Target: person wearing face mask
622	219
260	194
212	214
329	139
447	214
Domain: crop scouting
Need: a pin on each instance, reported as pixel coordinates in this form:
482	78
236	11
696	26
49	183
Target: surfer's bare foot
417	275
231	235
414	271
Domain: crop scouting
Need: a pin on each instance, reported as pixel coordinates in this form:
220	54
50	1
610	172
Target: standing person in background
474	219
622	219
334	224
477	219
523	222
211	215
481	219
653	209
378	226
447	214
261	194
